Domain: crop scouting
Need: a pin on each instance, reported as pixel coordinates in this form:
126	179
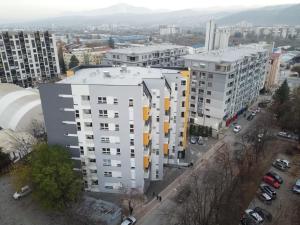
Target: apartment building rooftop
231	54
145	49
115	75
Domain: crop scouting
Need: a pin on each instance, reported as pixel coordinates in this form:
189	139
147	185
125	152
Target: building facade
216	37
28	57
163	55
120	124
224	83
273	71
168	30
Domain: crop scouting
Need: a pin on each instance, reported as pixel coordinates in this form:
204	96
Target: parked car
275	176
250	117
268	190
254	216
129	221
284	135
193	140
266	215
271	181
23	192
237	129
247	221
264	197
296	188
257	110
285	162
253	113
279	166
200	141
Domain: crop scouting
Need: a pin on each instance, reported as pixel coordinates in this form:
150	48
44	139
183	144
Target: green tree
282	93
61	59
54	181
4	160
73	62
111	42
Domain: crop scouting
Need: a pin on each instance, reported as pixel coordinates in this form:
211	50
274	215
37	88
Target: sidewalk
170	191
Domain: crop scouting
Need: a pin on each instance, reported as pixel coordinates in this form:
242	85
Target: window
108	174
193	89
131	128
106	162
117	127
93	171
116	115
183	93
157	118
115	101
192	105
103	113
87	111
118	151
85	98
103	126
208	92
90	137
94	182
81	150
209	84
131	141
106	151
208	101
105	139
182	114
207	116
92	160
102	100
88	124
91	149
78	126
183	82
182	104
77	113
132	155
210	75
130	102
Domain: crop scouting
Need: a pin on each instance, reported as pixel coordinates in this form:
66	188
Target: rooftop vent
106	74
123	68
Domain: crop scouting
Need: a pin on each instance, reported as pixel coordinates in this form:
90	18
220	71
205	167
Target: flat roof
230	54
146	49
116	75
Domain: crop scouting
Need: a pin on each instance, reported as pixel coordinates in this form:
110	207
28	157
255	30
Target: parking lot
285	208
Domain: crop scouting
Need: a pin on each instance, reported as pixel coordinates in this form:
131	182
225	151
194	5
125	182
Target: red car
271	181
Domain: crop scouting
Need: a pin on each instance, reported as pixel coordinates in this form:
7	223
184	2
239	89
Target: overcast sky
31	9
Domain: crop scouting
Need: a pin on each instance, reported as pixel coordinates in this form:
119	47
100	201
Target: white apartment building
216	37
225	82
164	55
120	124
168	30
28	57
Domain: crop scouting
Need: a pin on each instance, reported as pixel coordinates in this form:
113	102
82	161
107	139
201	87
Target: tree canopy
111	42
73	62
282	93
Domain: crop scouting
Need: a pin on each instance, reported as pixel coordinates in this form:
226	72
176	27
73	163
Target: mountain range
139	16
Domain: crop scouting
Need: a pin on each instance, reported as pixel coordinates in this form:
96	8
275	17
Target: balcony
146	162
166	149
146	113
146	138
167	104
166	127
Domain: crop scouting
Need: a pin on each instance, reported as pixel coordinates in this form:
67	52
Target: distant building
85	56
165	55
273	71
19	107
28	57
216	38
168	30
225	82
120	124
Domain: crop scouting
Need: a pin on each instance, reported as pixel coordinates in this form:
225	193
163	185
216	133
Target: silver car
23	192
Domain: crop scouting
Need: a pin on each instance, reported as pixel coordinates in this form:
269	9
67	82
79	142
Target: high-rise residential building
164	55
28	57
120	124
215	37
225	82
273	71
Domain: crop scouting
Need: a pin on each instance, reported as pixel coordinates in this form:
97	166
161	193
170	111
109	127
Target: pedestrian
157	197
160	198
153	194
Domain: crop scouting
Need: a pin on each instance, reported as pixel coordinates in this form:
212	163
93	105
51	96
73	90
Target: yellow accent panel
146	138
146	161
166	149
186	75
166	127
146	112
70	73
167	104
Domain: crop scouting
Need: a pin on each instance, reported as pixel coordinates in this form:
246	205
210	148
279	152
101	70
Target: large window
103	126
108	174
106	151
102	100
103	113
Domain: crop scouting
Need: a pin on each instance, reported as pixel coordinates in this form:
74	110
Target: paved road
154	211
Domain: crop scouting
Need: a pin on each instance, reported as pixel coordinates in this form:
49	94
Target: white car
254	216
24	191
296	188
129	221
237	128
285	162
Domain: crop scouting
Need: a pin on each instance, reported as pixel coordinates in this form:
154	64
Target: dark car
266	215
250	117
275	176
247	221
279	165
267	189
